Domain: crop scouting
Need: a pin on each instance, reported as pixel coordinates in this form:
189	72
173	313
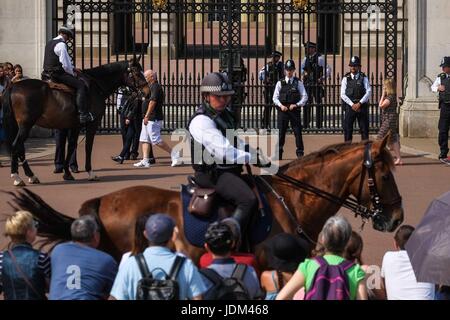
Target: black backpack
153	289
231	288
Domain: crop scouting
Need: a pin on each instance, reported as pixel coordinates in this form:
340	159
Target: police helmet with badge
289	65
355	61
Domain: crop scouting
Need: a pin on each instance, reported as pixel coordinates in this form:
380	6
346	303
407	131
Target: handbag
202	202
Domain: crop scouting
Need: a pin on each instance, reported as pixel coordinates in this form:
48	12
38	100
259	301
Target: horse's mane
106	69
339	148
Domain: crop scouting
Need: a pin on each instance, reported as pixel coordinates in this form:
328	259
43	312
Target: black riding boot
243	218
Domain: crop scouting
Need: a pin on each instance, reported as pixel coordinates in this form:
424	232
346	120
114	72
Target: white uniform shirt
61	51
321	63
437	83
364	99
300	87
204	130
400	280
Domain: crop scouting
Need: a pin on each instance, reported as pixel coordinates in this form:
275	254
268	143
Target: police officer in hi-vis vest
289	96
355	94
442	85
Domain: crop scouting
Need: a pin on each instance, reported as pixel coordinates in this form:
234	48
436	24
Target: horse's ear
383	143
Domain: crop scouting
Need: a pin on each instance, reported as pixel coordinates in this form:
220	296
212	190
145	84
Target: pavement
421	179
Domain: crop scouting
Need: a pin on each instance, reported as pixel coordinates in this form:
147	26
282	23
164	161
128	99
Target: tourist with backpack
226	279
329	277
158	273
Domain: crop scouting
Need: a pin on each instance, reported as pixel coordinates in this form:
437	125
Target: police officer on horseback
58	66
355	94
217	161
289	96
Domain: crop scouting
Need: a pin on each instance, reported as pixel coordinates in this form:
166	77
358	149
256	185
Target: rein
352	204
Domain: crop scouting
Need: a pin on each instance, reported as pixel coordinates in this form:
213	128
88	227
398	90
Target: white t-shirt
400	280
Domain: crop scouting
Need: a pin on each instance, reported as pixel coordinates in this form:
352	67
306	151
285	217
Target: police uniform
270	74
58	66
355	88
313	71
217	162
444	106
290	91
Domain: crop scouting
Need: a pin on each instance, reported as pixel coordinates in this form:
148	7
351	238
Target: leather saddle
60	86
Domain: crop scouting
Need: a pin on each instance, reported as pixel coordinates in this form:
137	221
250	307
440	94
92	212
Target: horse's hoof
68	177
19	183
34	180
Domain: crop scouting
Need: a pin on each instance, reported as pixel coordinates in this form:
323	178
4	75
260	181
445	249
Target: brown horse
31	102
336	169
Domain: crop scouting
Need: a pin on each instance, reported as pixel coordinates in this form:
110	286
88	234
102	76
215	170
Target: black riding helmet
67	31
219	238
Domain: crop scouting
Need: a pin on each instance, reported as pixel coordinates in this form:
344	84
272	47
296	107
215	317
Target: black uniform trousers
443	126
294	117
61	137
78	85
315	94
268	100
363	120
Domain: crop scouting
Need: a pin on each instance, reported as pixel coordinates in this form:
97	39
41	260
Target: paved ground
420	179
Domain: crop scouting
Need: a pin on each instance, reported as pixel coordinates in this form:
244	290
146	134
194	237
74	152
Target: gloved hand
261	160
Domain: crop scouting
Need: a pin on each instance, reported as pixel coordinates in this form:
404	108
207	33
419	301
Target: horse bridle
374	213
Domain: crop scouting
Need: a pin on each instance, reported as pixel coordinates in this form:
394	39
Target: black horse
32	101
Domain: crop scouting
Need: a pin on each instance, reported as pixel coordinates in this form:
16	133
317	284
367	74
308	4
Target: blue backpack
330	282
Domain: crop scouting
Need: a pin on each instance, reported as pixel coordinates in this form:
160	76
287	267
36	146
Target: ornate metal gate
183	40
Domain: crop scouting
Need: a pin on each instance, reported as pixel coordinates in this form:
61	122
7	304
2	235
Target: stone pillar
427	43
23	35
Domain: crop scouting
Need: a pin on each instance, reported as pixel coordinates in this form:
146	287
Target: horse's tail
9	121
54	226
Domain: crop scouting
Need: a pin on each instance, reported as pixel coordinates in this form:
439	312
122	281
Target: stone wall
428	42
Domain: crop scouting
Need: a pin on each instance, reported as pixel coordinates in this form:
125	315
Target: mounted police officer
355	94
270	74
313	72
58	66
442	85
289	96
217	162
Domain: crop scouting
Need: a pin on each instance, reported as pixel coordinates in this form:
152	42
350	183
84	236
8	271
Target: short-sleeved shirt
80	272
400	280
225	267
158	259
157	95
355	274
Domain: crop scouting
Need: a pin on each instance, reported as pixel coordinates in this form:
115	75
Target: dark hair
83	229
402	235
219	238
140	241
8	64
354	248
18	66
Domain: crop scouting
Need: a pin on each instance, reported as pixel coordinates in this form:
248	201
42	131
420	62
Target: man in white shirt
58	66
442	85
289	96
355	94
397	274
